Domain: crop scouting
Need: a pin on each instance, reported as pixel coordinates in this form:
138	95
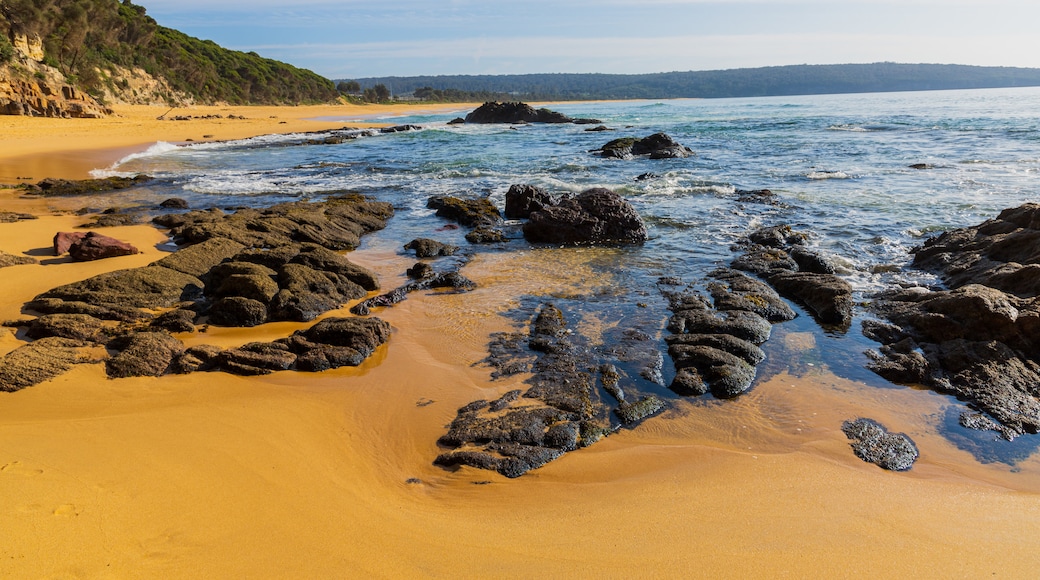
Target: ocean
866	176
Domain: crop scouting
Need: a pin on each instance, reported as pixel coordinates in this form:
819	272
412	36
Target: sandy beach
305	475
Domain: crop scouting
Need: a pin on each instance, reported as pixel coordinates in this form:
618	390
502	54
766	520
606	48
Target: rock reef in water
560	412
977	340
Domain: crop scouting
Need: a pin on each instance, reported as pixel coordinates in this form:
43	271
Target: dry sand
299	475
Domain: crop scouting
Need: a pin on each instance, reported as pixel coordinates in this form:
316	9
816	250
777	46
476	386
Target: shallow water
839	166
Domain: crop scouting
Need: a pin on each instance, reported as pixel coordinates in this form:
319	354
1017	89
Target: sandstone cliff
30	87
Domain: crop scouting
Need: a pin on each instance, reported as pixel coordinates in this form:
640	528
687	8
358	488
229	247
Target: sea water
841	169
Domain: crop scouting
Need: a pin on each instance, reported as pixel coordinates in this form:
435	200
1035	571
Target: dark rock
196	260
361	334
483	235
174	203
243	279
79	327
400	129
473	212
742	324
595	216
94	246
419	271
197	358
427	248
763	261
678	343
237	311
521	200
780	236
874	444
143	354
445	280
656	146
515	112
598	128
630	413
147	287
256	358
647	176
64	187
510	459
826	295
39	361
809	261
306	293
733	290
689	382
113	219
110	312
178	320
457	121
10	217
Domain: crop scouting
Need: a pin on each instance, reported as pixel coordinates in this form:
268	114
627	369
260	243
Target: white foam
158	148
827	175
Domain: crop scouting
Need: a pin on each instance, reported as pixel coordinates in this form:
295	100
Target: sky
347	39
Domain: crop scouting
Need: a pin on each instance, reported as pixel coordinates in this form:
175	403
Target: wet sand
303	475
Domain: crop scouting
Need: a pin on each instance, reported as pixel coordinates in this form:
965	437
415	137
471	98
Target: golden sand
300	475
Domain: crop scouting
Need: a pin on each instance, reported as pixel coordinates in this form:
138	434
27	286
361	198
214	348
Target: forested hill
748	82
96	44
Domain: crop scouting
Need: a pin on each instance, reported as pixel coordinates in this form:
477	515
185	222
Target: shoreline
35	148
310	474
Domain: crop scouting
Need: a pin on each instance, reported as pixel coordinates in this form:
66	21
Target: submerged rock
656	146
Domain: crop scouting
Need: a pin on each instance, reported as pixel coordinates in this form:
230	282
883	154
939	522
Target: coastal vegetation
94	43
747	82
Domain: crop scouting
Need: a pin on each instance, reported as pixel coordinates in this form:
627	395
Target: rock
147	287
630	413
79	327
256	358
306	293
596	216
94	246
238	311
874	444
65	187
174	203
522	200
809	261
197	259
781	236
64	240
656	146
457	121
177	320
764	261
113	219
560	412
7	260
419	271
40	361
363	335
742	324
826	295
733	290
10	217
400	129
484	235
427	248
515	112
473	212
143	354
197	358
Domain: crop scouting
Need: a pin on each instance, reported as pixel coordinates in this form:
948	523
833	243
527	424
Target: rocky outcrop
60	187
523	200
715	345
778	255
874	444
979	339
560	412
24	93
595	216
516	112
470	212
656	146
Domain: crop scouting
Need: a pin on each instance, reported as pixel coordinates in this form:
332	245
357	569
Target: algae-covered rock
874	444
39	361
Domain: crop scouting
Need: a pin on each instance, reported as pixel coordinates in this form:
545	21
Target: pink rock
64	240
95	246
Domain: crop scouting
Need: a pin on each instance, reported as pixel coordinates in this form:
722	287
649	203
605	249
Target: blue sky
363	38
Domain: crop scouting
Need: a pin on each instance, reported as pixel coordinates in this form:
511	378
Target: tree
349	87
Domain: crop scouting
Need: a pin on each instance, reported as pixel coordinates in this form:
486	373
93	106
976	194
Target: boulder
472	212
595	216
515	112
95	246
80	327
827	296
522	200
427	248
656	146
